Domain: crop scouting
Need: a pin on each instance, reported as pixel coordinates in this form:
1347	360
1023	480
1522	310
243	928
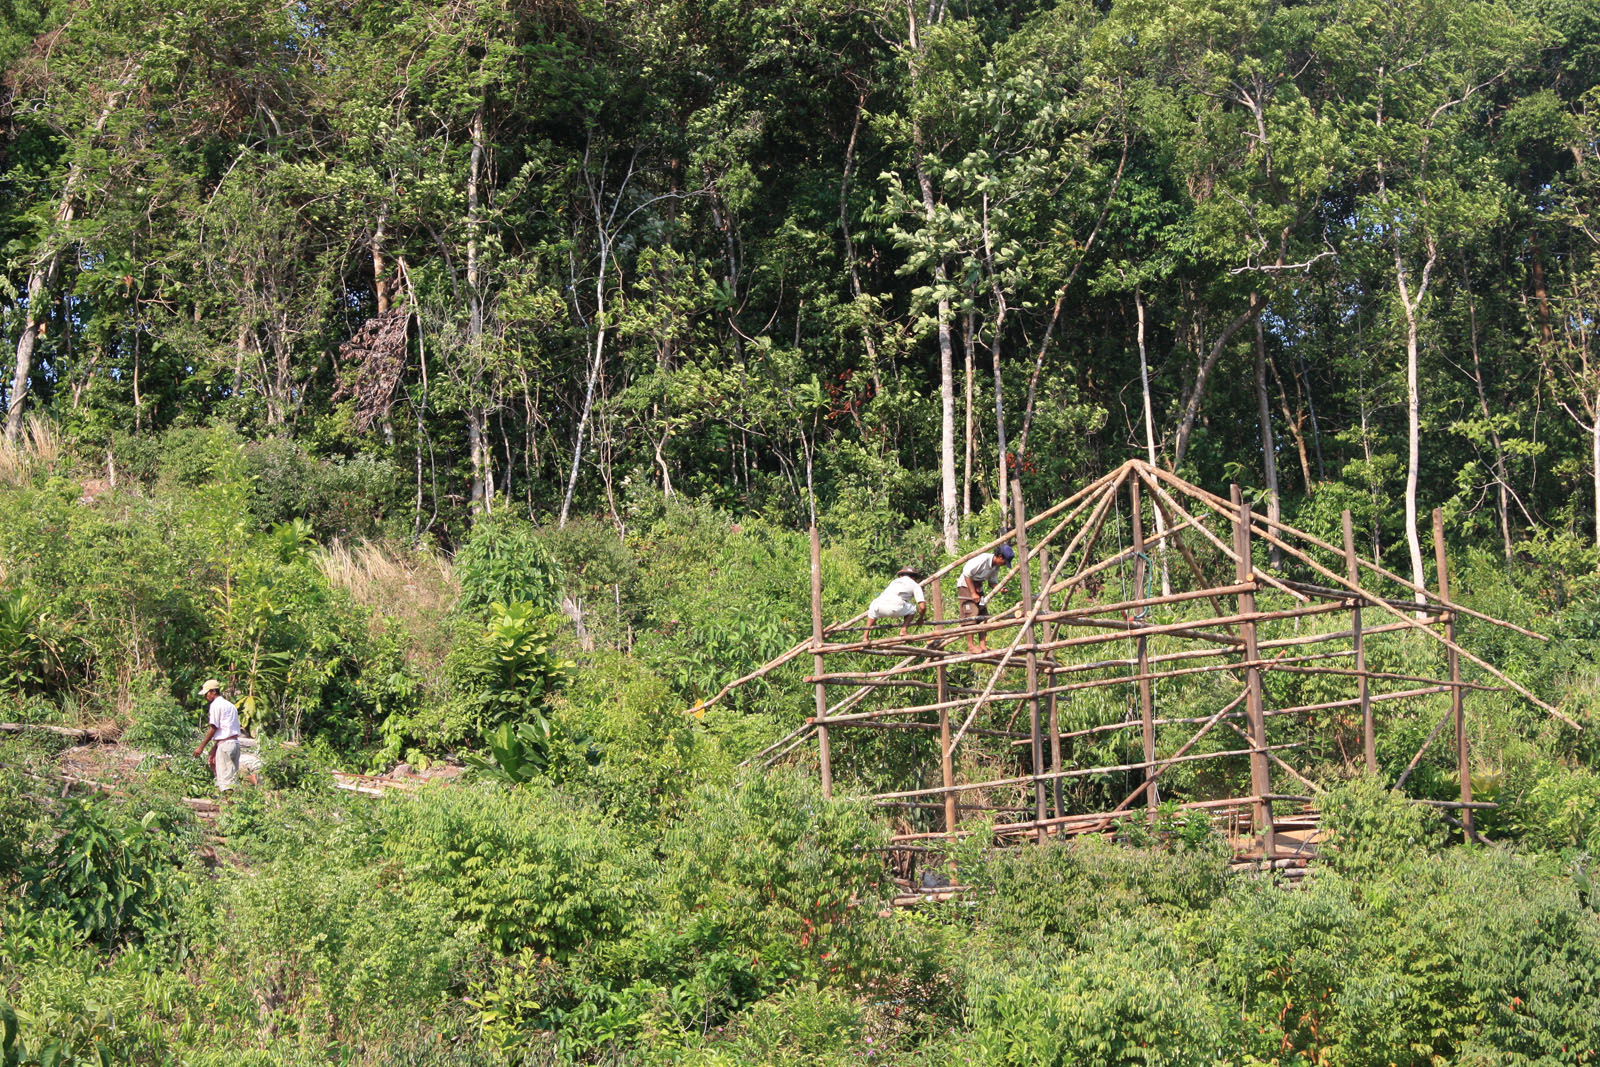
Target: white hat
208	685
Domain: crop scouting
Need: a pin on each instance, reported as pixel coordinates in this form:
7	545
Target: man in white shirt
222	727
902	599
979	571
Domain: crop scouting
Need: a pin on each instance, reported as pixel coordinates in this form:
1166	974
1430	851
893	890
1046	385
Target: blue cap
1005	552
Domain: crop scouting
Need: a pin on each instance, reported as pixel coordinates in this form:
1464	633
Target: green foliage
1372	830
762	886
517	753
526	867
110	871
501	671
504	562
25	648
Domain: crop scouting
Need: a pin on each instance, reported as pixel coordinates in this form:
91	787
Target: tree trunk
971	444
1269	459
1411	308
476	441
994	360
850	248
380	265
1293	421
1488	421
43	276
947	388
1150	440
1191	409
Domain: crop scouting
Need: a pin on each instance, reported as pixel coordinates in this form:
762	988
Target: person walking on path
902	599
222	733
980	571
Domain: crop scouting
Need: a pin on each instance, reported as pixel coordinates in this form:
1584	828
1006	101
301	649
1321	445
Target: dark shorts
971	609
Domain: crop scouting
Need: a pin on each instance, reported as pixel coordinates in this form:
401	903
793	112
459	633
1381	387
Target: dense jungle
456	381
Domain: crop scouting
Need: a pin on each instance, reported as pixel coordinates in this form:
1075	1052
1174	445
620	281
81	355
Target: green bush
1134	999
1371	830
109	869
339	949
504	562
765	883
522	867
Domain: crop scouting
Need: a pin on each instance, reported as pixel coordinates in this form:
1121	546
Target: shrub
110	871
765	883
516	868
1133	999
1372	830
504	562
341	949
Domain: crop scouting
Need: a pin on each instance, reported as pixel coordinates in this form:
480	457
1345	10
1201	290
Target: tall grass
412	589
38	449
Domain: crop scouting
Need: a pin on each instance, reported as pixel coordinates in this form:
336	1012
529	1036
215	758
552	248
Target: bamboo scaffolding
1077	772
1057	651
1369	565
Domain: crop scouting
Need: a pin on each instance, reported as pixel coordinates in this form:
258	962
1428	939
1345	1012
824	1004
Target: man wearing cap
902	599
223	729
980	570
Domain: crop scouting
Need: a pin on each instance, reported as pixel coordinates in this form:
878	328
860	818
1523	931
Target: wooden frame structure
1083	614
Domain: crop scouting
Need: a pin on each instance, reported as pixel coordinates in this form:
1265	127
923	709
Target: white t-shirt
907	589
981	568
225	717
898	600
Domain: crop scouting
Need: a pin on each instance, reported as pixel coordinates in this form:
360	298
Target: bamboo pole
1457	694
1056	805
1077	772
1184	550
1404	694
824	753
1368	564
1426	744
809	645
1260	773
1178	629
1262	576
947	770
1275	758
1141	646
1369	743
1388	676
1151	776
1415	624
978	704
1065	822
1031	658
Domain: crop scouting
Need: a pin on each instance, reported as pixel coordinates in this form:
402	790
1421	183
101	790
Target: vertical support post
1147	707
947	770
1052	717
1260	773
1369	742
1457	694
1036	731
824	753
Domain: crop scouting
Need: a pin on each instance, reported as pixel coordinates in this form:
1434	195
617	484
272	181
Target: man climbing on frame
222	727
980	570
902	599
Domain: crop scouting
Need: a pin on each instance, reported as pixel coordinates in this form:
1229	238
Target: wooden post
947	771
1260	772
1369	743
1147	713
824	754
1053	717
1035	727
1457	694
